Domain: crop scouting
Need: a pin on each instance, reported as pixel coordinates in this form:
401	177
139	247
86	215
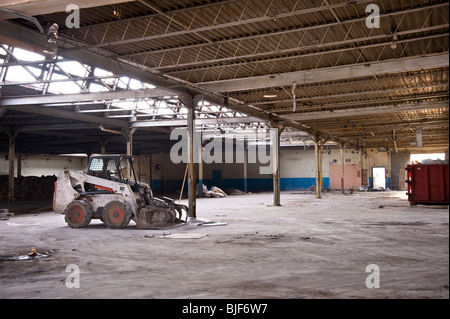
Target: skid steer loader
109	191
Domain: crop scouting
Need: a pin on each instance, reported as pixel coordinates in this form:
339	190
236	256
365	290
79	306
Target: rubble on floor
5	214
185	236
33	254
235	191
204	222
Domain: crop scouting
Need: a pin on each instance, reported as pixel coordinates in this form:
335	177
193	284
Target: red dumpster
427	184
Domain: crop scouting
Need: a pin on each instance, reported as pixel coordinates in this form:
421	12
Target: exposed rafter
330	74
311	67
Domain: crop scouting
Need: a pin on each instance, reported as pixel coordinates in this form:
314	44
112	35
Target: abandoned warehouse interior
293	138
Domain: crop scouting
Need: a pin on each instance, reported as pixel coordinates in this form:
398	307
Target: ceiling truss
312	66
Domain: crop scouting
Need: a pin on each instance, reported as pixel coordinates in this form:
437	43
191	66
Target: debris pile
433	161
235	191
33	254
29	188
214	192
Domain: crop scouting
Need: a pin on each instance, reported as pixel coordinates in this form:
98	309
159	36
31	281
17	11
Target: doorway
217	178
379	177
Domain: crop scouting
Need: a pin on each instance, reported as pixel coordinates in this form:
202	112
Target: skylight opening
20	74
73	68
95	88
148	86
135	85
123	82
24	55
66	87
101	72
61	82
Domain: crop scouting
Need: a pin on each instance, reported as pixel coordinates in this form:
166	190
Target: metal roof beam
183	122
399	92
70	115
83	97
329	74
363	111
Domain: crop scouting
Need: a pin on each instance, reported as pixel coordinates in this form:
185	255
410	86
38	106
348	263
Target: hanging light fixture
271	94
117	12
394	42
294	96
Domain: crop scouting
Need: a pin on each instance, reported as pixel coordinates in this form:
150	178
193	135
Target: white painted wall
298	162
47	165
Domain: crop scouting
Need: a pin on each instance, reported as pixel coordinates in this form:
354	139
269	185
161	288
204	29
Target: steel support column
276	174
190	105
128	134
322	142
103	146
341	149
245	167
200	172
317	167
11	157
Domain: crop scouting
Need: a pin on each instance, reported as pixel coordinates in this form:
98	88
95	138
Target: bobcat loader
110	192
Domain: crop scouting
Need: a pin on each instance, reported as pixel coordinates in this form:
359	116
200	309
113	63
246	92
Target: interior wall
297	169
43	165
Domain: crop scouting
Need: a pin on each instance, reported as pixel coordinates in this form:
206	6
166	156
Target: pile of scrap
29	188
235	191
214	192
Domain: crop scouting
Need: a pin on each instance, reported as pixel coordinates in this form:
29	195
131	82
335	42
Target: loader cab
117	168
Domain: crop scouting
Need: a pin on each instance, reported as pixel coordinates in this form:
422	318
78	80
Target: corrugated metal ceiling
216	42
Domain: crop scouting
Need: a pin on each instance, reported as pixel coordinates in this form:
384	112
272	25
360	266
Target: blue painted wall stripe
252	184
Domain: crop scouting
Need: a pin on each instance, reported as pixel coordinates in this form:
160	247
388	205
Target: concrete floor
307	248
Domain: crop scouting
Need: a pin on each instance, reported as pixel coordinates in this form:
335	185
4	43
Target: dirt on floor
361	245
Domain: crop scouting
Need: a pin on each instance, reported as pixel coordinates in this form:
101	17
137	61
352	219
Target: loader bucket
161	217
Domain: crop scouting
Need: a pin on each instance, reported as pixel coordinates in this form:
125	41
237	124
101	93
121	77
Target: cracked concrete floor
307	248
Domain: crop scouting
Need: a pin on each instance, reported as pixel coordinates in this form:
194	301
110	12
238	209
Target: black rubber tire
78	214
116	215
